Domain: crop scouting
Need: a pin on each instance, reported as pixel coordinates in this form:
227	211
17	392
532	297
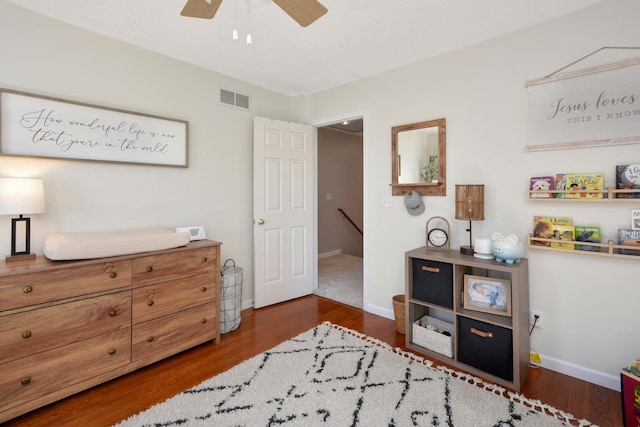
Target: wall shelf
608	195
606	249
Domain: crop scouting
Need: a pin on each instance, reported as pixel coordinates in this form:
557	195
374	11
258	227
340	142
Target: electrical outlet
532	318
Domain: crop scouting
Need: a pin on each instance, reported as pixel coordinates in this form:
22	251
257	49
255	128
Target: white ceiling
354	40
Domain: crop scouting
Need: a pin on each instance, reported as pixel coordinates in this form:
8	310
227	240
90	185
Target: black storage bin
433	282
486	347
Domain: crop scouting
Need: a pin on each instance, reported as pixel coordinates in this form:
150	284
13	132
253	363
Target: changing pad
70	246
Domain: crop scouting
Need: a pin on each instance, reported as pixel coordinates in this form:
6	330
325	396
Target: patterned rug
333	376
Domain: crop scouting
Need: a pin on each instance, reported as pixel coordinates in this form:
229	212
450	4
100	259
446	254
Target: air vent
228	97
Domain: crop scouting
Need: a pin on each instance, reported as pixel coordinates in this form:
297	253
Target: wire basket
230	297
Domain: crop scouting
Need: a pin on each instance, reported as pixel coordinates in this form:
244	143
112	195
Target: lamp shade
19	196
470	202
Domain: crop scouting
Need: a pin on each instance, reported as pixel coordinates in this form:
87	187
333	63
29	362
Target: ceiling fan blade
201	8
304	12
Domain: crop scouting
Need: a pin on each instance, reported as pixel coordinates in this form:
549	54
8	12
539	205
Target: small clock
438	237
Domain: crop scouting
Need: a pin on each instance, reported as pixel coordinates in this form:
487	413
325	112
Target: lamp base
25	257
466	250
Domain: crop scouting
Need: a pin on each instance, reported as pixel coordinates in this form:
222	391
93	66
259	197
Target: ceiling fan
304	12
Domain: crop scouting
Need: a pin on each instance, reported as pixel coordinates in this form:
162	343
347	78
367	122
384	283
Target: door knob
259	221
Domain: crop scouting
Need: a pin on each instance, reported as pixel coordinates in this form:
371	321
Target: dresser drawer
162	299
55	326
168	335
31	377
21	290
167	266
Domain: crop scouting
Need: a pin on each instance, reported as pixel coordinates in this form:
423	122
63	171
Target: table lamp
469	206
21	196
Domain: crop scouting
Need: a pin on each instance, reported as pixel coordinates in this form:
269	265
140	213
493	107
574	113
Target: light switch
387	201
329	196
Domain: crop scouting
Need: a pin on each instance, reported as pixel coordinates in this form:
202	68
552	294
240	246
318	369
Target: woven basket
433	340
398	311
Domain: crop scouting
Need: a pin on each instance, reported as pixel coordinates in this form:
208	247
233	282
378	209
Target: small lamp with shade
21	196
470	207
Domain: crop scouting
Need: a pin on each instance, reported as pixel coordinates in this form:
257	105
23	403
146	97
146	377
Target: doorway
340	190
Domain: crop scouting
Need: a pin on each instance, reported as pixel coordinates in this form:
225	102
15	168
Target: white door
283	207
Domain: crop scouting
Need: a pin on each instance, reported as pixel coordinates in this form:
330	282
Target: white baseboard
581	372
380	311
330	253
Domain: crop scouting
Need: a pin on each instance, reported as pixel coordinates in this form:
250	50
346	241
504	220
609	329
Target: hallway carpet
340	279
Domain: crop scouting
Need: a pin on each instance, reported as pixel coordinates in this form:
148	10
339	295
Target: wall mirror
418	158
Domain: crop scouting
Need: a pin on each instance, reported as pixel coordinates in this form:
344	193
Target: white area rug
340	279
333	376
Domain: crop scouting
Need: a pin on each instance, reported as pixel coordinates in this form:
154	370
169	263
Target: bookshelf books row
586	185
563	234
569	186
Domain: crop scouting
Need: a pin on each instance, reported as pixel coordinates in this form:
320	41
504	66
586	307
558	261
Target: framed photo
40	126
487	294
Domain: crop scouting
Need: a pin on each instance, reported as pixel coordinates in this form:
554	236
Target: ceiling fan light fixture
234	35
249	40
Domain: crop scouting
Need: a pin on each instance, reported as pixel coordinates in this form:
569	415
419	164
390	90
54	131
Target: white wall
590	303
45	57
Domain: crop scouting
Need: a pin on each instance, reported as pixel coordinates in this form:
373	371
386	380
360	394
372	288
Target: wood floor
262	329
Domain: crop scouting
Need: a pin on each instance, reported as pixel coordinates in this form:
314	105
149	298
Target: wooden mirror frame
424	188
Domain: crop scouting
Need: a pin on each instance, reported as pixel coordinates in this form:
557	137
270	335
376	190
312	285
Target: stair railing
350	220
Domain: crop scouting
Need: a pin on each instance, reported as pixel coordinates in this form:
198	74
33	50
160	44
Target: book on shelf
635	219
582	185
543	227
563	233
561	180
542	183
628	178
587	233
629	237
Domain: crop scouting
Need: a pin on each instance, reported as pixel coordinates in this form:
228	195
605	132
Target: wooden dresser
66	326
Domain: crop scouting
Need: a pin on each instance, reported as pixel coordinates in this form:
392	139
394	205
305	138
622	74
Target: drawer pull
149	269
203	321
27	289
26	380
205	259
149	339
430	269
112	351
26	334
113	274
203	289
150	303
481	333
112	313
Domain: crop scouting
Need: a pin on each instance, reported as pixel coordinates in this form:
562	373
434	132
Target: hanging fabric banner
599	106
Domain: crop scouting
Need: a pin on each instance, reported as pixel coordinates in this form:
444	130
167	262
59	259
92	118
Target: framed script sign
39	126
599	106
